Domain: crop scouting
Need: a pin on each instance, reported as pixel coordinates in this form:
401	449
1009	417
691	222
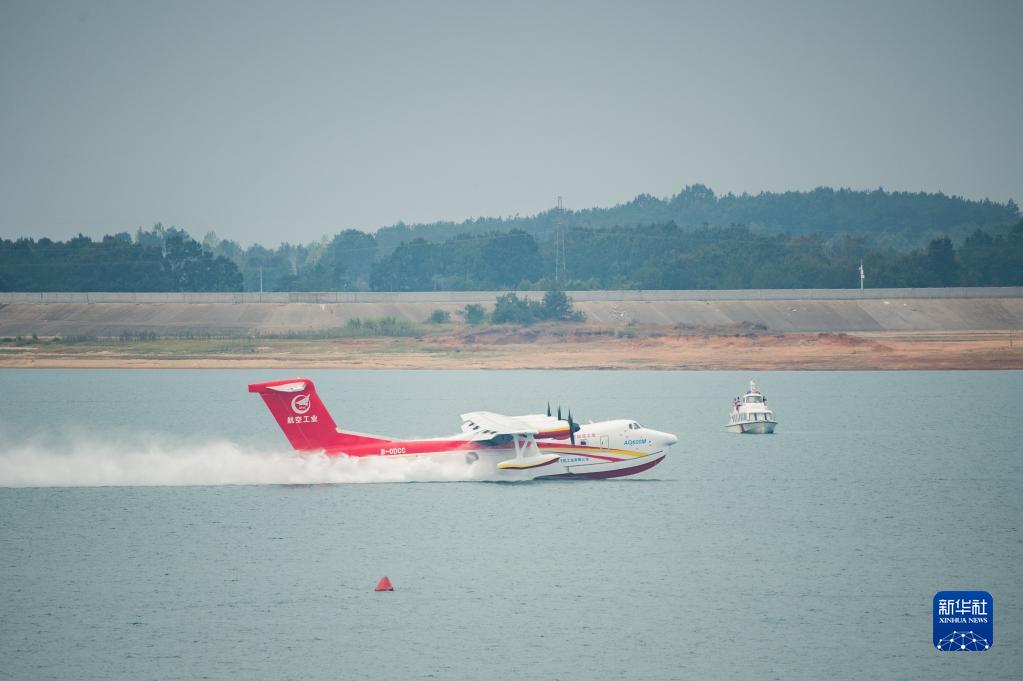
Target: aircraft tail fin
299	412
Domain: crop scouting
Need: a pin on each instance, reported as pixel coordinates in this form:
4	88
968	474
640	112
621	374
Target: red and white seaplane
527	447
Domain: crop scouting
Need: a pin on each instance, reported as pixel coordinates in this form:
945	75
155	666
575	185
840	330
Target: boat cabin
751	407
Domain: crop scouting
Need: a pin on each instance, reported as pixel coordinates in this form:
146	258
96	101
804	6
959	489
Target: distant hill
899	220
694	239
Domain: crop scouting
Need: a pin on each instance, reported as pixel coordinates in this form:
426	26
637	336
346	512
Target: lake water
813	553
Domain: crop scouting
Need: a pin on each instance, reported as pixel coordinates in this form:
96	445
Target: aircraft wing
489	425
494	429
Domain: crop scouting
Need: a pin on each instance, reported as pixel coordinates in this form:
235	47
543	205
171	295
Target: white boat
750	413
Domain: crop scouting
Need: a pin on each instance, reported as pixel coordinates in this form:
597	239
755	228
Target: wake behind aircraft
530	447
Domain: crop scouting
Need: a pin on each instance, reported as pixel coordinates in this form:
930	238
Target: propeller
573	427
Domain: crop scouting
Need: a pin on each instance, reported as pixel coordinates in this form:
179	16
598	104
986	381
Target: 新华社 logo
300	404
964	621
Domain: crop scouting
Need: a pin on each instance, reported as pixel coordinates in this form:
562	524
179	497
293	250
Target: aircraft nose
666	439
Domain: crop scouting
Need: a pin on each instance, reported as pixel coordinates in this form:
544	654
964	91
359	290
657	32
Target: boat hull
752	427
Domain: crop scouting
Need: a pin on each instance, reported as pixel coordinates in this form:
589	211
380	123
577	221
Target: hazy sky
291	120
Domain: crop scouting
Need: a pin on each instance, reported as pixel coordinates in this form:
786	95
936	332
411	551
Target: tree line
156	260
694	240
662	256
668	257
899	220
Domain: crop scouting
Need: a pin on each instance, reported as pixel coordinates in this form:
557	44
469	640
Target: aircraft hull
569	466
603	470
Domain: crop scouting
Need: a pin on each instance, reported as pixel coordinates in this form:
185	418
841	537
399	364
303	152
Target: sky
288	121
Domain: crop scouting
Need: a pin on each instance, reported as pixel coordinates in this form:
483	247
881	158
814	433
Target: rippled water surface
154	525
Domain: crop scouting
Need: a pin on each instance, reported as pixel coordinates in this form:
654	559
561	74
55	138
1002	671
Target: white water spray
154	460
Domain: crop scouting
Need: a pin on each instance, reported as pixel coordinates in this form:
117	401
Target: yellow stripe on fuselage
578	449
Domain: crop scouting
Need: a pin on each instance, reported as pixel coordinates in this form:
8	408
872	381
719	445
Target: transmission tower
560	259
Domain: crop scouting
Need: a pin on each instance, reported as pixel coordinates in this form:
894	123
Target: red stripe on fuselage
399	447
426	447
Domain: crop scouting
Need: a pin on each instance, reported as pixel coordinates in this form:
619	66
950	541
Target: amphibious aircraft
527	447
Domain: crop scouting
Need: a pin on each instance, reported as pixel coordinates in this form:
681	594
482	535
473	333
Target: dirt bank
550	348
782	316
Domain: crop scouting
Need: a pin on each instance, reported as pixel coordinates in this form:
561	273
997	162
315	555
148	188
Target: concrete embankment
810	310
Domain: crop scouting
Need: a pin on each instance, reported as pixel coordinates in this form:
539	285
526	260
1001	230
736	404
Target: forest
694	240
159	260
898	220
669	257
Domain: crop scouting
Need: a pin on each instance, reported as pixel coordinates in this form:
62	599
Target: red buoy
384	585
